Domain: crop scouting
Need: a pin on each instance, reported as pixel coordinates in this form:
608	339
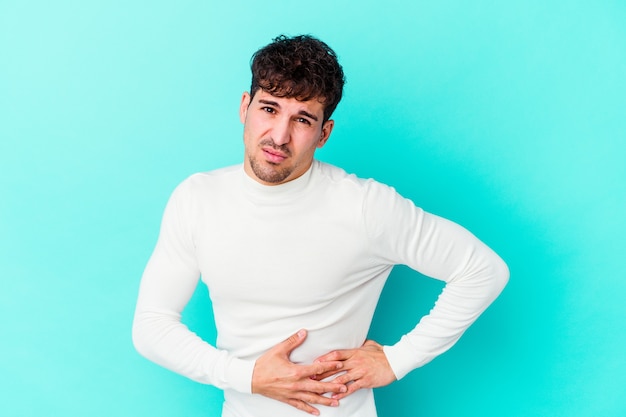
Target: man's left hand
366	367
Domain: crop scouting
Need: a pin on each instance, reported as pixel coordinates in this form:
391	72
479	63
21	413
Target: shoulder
334	176
209	179
215	176
338	178
196	188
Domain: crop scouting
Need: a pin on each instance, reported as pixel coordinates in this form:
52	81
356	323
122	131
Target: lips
273	156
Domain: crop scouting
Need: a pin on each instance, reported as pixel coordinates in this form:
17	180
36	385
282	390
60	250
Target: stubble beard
268	172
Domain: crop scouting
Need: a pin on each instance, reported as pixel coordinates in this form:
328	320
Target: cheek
310	149
249	142
250	132
256	129
309	139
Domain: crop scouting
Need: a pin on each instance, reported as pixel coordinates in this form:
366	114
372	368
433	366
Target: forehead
313	106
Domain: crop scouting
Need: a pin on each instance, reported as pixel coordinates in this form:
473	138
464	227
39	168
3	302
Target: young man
295	254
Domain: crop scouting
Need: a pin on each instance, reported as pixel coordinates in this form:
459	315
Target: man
295	253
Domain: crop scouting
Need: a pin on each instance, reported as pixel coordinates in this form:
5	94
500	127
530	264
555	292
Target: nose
281	131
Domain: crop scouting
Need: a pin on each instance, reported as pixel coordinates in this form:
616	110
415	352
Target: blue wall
508	117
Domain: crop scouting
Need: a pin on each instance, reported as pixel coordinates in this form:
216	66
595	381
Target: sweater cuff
238	373
401	359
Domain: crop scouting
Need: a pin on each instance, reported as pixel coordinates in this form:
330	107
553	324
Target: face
281	135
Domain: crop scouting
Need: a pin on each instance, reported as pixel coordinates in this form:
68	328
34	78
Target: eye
303	120
268	109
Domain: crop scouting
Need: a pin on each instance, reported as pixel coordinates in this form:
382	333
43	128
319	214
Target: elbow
138	338
501	275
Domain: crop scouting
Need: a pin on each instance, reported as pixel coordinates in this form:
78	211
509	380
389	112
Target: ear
327	128
243	107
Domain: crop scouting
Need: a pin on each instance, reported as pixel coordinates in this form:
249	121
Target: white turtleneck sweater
312	253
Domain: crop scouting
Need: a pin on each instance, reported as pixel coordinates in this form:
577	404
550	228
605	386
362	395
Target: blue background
507	117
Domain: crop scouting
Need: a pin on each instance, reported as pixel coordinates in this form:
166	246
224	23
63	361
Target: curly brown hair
300	67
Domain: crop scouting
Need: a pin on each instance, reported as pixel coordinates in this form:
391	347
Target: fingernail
334	404
301	333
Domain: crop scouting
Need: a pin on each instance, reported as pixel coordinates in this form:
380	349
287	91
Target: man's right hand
275	376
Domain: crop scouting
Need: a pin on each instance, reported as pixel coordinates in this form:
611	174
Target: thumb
292	342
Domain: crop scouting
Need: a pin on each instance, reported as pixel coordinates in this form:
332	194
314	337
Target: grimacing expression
281	135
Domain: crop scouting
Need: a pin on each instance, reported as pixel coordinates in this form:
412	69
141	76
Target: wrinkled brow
302	112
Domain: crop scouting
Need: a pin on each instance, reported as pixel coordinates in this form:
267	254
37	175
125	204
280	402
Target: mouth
273	156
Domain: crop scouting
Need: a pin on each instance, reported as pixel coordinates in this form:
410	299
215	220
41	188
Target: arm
404	234
168	282
275	376
474	276
161	337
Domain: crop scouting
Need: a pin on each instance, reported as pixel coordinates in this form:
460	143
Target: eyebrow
301	112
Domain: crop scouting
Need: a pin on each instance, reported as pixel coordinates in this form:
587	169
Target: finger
317	387
348	377
325	375
301	405
336	355
320	368
292	342
304	400
310	399
352	388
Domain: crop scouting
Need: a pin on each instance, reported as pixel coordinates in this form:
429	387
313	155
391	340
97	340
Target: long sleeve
441	249
168	282
312	253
